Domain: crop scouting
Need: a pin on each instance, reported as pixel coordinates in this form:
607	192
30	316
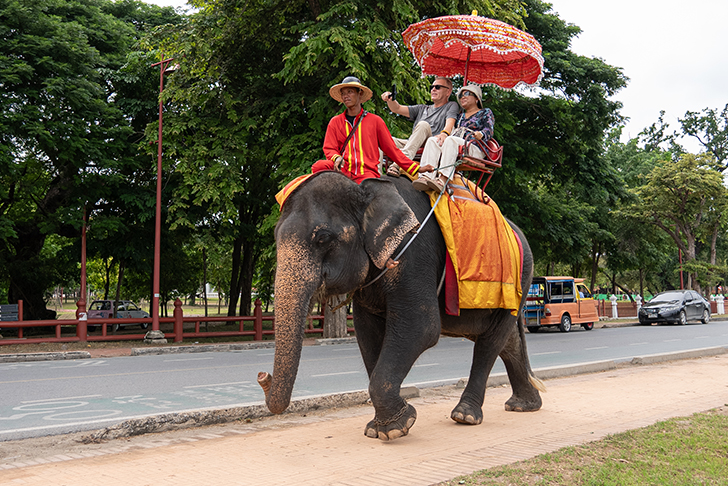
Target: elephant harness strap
392	262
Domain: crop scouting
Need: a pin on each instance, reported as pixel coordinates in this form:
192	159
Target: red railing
178	330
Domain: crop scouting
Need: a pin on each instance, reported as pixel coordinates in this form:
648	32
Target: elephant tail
537	383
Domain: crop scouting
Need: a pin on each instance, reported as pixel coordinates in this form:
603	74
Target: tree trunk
107	279
335	322
204	277
642	285
246	278
25	282
596	253
235	277
118	284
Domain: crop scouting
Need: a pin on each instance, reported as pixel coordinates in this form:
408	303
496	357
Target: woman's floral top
482	121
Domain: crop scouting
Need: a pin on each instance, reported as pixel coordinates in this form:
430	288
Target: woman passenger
473	126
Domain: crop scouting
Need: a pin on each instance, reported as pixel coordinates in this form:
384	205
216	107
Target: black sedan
676	307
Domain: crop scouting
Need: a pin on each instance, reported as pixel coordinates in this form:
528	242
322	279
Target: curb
174	421
60	355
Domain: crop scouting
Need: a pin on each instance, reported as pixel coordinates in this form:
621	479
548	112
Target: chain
395	417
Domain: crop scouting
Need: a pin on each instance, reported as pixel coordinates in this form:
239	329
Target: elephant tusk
264	380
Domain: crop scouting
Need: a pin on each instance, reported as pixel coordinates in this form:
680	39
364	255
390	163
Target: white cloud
673	52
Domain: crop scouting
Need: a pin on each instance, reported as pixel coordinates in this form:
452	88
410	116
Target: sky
675	53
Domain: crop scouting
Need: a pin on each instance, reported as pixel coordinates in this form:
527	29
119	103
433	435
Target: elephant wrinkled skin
335	236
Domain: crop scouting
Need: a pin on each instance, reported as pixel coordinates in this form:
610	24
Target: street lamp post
158	208
81	327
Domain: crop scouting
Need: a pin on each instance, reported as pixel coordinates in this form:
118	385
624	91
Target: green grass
682	451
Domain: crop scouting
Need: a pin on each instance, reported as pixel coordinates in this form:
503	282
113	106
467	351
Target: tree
65	136
55	123
710	128
555	182
687	200
252	101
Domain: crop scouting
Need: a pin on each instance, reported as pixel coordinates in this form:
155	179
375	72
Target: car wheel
533	329
588	326
114	327
565	325
144	325
706	316
683	319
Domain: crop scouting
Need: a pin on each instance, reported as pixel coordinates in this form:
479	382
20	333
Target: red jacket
361	154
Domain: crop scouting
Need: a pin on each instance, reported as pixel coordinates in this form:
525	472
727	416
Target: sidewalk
329	448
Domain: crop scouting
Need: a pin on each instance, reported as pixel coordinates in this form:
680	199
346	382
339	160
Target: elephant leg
369	336
469	409
526	397
394	417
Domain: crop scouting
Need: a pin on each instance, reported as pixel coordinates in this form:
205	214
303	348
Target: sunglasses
465	93
438	87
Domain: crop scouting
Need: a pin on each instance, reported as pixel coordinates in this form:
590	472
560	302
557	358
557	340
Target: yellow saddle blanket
485	256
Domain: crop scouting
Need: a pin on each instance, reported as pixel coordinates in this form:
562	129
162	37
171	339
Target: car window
569	292
131	307
556	292
668	297
97	305
583	291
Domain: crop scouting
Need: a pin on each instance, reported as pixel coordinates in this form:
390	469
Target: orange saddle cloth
484	254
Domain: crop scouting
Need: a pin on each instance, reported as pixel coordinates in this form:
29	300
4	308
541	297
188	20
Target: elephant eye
324	237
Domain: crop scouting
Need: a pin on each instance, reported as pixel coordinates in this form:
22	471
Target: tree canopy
246	111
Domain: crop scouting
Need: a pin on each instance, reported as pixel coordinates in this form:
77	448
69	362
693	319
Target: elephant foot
467	414
518	404
393	428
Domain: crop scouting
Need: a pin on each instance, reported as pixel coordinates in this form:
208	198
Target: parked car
559	301
126	309
676	307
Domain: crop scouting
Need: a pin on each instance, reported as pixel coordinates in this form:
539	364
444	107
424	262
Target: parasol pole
474	13
467	63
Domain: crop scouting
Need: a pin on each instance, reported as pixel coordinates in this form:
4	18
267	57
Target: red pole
81	327
178	322
258	324
158	207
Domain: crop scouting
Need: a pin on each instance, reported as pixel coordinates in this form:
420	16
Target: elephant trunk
296	280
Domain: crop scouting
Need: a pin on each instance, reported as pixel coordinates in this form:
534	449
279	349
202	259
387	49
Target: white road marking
425	365
61	399
335	374
541	354
598	347
219	384
638	344
187	359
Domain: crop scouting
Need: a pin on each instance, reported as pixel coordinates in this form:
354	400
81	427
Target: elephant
334	237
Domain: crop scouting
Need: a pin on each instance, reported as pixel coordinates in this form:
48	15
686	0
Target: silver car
126	310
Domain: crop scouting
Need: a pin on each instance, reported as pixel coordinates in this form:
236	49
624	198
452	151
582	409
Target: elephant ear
387	219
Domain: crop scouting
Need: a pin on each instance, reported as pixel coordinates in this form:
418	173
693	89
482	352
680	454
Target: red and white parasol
482	50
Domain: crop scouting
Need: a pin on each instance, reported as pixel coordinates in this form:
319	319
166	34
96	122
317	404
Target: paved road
54	397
